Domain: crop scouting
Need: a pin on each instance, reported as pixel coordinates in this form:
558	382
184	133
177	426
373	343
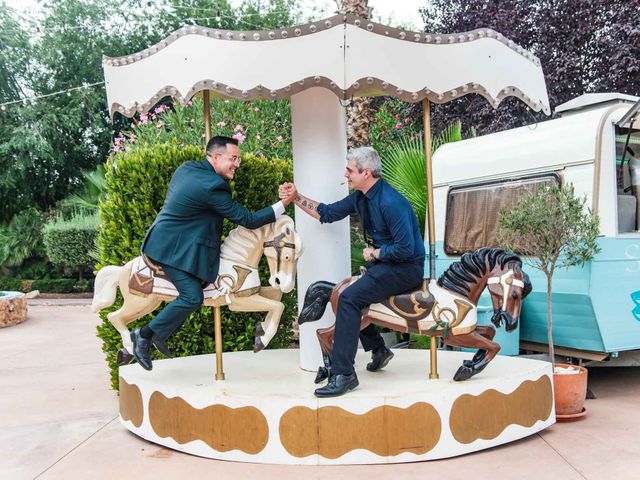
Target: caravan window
473	211
628	179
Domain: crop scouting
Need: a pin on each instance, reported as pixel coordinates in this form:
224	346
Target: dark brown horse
446	308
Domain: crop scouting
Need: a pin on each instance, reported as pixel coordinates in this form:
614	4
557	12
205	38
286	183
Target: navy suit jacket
186	233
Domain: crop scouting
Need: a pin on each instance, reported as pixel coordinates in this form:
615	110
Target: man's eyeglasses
234	158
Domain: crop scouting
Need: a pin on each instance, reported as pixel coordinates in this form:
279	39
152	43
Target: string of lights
218	18
3	106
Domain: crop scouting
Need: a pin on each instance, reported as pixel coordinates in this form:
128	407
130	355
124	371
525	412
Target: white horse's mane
241	243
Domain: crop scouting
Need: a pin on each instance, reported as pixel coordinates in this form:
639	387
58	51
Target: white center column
319	138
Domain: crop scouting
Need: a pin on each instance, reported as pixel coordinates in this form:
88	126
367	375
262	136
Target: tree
555	231
45	145
583	46
14	54
359	110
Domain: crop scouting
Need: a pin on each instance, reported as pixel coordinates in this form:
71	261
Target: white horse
237	285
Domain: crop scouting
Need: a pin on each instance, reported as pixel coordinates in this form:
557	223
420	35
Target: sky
392	12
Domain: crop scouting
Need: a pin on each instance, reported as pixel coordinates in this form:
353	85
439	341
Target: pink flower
407	121
189	103
238	128
160	109
279	138
160	124
240	137
153	116
220	124
133	125
143	118
116	148
398	126
133	138
397	115
117	140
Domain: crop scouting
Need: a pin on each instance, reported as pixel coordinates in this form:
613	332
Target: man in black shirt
396	261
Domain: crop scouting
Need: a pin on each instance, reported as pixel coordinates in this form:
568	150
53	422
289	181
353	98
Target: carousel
260	407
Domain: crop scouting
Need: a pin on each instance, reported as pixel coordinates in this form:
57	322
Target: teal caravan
594	145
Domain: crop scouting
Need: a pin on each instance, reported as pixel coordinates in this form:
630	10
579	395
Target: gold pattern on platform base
386	431
487	415
131	407
220	427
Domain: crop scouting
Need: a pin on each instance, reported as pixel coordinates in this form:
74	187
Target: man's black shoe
161	346
338	385
379	359
141	349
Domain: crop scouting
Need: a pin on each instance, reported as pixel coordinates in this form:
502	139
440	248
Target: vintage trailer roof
545	146
346	54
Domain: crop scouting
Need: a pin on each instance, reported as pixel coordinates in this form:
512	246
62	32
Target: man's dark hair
219	142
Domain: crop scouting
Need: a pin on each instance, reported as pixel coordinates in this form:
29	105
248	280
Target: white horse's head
282	252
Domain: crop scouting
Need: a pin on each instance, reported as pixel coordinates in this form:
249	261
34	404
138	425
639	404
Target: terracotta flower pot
570	392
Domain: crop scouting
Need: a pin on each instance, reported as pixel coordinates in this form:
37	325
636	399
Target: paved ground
58	420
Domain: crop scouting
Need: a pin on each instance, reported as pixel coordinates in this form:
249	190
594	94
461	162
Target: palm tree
92	192
359	110
403	166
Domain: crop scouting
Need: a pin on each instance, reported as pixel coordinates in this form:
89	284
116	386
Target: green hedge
71	242
46	285
136	184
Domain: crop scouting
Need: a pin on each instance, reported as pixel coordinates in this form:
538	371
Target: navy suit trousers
190	298
381	281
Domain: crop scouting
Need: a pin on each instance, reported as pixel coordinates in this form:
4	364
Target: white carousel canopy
345	54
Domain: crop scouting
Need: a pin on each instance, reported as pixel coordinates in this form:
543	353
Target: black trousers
381	281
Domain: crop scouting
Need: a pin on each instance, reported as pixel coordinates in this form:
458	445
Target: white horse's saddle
147	278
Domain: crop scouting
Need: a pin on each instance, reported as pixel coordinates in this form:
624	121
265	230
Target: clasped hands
287	193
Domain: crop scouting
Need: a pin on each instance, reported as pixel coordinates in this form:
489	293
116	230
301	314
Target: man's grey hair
366	158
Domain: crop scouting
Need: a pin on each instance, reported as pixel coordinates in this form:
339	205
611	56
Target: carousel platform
265	410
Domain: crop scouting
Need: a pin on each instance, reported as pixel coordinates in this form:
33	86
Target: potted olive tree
553	229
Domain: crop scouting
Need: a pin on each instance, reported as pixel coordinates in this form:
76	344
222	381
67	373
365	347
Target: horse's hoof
259	330
463	373
323	374
124	357
258	345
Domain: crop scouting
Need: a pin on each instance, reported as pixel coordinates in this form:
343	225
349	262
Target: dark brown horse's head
508	285
501	272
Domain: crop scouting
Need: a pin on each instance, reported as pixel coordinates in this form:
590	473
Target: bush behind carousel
72	242
136	184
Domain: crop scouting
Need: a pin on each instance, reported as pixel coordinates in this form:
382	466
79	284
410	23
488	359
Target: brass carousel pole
207	115
217	322
430	223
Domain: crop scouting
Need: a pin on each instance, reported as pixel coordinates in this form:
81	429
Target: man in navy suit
185	241
395	255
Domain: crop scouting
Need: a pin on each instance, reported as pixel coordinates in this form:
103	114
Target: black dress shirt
389	221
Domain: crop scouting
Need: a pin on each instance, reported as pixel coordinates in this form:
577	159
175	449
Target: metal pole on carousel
430	223
217	317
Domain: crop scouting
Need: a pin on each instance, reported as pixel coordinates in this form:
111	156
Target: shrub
263	127
57	285
136	183
72	242
46	285
391	123
21	239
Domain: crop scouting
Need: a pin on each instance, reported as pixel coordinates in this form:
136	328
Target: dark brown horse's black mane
472	266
